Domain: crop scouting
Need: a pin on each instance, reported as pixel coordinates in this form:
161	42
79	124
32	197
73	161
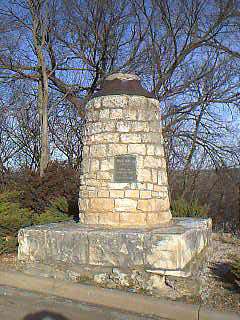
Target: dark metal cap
123	83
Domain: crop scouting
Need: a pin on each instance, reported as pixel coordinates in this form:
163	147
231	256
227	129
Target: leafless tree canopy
54	54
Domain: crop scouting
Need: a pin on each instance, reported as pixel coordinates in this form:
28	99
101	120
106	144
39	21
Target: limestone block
130	137
137	149
105	138
137	102
155	194
154	218
108	126
83	194
150	150
152	162
103	194
132	193
115	249
116	114
109	218
93	116
124	126
157	188
129	219
168	248
138	185
147	115
101	204
162	178
115	101
94	128
104	175
154	103
155	127
140	126
154	176
92	194
118	185
92	183
91	218
145	194
98	150
85	165
104	114
83	204
117	193
130	114
47	245
97	102
92	175
147	205
153	205
125	205
163	252
86	150
144	175
149	186
107	164
94	165
151	137
117	149
159	150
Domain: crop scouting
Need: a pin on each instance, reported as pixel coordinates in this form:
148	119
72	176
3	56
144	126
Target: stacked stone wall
123	125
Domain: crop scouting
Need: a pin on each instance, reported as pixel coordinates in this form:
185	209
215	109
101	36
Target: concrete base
166	249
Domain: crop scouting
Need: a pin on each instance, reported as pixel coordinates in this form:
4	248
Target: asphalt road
16	304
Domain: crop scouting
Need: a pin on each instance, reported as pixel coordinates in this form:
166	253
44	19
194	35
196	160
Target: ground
18	304
219	290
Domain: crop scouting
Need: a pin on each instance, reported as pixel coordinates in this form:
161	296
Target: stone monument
126	230
124	180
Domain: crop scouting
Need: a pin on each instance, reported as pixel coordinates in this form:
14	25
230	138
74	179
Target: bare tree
64	49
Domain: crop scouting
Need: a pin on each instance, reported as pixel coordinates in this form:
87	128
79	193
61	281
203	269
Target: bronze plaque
125	168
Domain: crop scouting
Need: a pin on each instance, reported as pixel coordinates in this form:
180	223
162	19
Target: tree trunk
43	114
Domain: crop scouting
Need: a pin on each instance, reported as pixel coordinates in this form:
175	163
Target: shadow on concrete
44	315
222	272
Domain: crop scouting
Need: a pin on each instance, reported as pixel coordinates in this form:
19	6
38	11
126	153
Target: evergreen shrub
182	208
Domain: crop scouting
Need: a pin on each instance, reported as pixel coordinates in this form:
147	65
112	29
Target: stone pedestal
167	249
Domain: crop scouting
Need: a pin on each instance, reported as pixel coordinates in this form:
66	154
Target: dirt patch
220	290
8	261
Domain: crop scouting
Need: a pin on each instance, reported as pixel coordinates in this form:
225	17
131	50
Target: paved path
16	304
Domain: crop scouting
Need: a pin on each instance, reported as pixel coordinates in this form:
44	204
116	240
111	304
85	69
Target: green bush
56	212
8	245
13	217
181	208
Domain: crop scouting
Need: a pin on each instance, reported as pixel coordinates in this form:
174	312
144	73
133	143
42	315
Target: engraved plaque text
125	168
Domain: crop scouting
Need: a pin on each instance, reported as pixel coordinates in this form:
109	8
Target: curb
111	298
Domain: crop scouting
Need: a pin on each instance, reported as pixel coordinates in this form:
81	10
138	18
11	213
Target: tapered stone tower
124	178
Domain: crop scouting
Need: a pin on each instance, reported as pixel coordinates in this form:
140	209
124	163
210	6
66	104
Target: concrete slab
114	299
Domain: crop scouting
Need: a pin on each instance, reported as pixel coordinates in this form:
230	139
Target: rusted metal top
123	83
